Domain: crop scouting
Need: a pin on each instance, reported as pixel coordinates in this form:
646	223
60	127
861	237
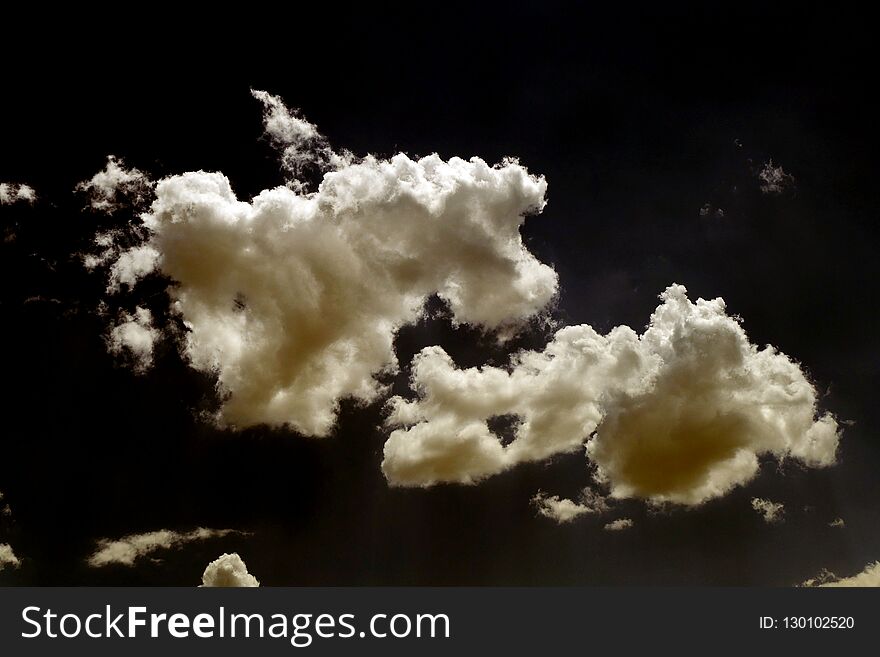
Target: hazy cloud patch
115	186
564	510
7	557
135	336
618	525
772	512
774	180
16	193
869	577
129	549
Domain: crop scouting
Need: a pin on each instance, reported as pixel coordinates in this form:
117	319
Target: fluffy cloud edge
228	570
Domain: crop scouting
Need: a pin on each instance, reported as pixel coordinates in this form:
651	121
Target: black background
633	117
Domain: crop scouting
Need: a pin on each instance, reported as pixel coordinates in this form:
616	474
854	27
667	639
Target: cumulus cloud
772	512
294	299
870	576
14	193
128	549
114	186
773	179
837	523
7	557
564	510
618	525
135	336
679	414
228	571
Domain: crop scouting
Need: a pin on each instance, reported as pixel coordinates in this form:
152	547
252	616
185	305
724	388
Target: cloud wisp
116	186
564	510
126	551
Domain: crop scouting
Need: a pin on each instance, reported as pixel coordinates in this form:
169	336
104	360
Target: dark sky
635	120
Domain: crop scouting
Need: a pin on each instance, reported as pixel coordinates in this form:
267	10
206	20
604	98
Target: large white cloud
7	557
16	192
294	298
128	549
870	576
679	414
228	570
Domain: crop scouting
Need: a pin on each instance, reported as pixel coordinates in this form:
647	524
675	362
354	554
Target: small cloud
112	187
14	193
869	577
564	510
128	549
7	557
709	210
838	522
618	525
228	571
774	180
771	511
134	335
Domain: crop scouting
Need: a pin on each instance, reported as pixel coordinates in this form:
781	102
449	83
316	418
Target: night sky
637	121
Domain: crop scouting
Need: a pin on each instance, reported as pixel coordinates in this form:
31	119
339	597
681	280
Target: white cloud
14	192
837	523
680	414
7	557
772	512
869	577
299	142
619	525
228	571
134	335
294	299
774	180
108	188
129	549
564	510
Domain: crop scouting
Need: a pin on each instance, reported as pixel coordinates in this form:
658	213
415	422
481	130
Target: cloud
618	525
134	335
564	510
7	557
870	576
13	193
108	188
128	549
709	210
228	571
772	512
837	523
301	146
293	300
679	414
774	180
